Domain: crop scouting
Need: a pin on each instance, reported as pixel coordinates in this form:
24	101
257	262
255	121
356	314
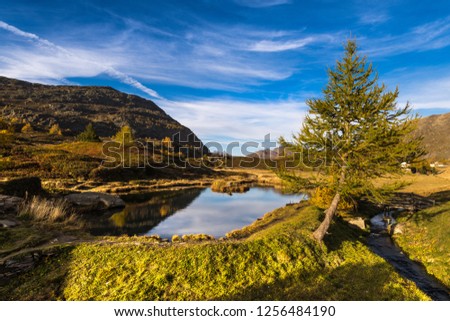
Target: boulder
397	229
21	187
91	201
7	223
9	204
358	222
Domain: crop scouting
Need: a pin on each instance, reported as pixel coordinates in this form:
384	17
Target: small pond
190	211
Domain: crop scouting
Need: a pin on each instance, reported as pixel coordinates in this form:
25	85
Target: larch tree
353	134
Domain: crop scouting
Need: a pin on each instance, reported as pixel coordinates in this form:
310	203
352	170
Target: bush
6	137
44	210
55	130
197	237
22	187
27	128
223	186
89	135
125	136
323	196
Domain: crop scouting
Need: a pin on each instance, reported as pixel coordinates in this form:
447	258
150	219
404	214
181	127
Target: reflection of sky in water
216	213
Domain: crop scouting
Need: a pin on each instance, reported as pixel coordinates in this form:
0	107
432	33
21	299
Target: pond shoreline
249	176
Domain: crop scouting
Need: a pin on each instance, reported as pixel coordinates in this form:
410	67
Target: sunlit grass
427	239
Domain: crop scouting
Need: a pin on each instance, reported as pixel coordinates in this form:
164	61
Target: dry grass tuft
47	210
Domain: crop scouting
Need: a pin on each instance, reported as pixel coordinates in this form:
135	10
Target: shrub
125	136
45	210
323	196
176	238
55	130
5	137
223	186
88	135
3	124
197	237
27	128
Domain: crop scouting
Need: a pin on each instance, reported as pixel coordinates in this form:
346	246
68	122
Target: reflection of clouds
216	214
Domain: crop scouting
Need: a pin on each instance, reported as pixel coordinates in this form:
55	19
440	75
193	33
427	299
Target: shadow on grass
443	196
340	232
350	282
44	282
422	216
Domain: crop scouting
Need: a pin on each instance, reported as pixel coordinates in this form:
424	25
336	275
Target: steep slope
435	130
73	107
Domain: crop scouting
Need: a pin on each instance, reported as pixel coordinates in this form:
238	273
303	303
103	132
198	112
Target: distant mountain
268	153
435	130
73	107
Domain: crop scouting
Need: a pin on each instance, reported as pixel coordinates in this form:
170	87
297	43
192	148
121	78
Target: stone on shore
92	201
9	204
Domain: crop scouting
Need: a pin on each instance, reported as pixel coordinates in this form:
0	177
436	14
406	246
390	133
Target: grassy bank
277	260
426	239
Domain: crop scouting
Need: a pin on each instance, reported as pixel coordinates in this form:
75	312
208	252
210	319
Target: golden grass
92	149
45	210
424	185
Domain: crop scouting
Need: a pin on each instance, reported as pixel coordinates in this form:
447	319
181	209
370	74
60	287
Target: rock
9	204
91	201
7	223
358	222
21	187
397	229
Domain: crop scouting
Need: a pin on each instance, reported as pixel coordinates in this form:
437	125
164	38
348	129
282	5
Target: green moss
426	239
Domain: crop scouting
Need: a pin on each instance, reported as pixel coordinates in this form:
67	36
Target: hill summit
74	107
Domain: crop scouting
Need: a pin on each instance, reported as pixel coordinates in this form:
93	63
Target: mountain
268	153
435	130
73	107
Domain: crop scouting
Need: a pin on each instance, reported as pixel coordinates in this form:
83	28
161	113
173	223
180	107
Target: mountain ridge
74	107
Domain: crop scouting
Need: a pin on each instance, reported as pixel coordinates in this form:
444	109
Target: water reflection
191	211
139	216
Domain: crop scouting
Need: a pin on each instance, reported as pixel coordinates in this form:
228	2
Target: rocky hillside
435	130
73	107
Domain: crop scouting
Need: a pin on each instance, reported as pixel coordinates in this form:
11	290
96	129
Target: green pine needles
88	135
354	133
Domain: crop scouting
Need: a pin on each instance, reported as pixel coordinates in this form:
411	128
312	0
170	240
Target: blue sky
230	70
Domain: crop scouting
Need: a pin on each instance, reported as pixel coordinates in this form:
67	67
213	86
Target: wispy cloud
429	94
72	57
429	36
261	3
424	88
228	119
373	18
275	46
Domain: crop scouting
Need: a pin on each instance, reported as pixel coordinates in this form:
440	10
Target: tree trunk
319	234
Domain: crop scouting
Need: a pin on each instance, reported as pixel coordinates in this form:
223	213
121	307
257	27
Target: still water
190	212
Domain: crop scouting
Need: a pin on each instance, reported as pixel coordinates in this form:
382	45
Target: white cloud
65	63
429	36
261	3
424	88
428	94
373	18
237	120
275	46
